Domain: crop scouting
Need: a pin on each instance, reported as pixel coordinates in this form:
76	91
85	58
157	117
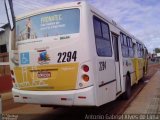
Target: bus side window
124	39
102	37
105	31
97	25
139	50
130	47
124	45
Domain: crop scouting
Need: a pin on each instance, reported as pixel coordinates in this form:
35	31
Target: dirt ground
152	69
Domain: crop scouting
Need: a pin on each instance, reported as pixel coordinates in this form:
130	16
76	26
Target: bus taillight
85	78
85	68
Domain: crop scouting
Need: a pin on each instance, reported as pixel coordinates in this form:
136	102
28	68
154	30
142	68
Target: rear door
117	64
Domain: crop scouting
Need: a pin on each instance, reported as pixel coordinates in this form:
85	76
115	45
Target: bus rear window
49	24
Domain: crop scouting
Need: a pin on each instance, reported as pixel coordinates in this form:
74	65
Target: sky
141	18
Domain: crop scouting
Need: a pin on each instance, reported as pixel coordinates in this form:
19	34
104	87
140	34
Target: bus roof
50	8
77	4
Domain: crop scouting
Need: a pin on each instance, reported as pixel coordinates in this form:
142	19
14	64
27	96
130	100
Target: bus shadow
116	107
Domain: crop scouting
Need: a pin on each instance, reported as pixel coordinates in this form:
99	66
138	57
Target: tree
157	50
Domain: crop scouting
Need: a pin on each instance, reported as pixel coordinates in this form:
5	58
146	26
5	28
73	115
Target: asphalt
148	100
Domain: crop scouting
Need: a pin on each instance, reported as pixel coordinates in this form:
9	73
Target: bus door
117	64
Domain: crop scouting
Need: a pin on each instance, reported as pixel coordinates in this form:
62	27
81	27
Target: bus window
124	39
105	31
130	47
124	45
49	24
97	25
139	50
103	42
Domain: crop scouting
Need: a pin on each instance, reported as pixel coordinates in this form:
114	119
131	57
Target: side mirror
10	13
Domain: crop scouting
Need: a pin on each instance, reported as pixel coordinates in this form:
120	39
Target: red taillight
85	78
12	73
85	68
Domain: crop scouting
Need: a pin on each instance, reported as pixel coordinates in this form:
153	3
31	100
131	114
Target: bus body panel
47	77
81	97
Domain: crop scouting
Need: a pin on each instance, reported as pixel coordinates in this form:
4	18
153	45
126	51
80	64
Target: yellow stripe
59	77
138	66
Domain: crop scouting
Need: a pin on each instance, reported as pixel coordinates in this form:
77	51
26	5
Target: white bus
73	55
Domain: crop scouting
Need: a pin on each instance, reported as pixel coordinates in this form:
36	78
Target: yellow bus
73	55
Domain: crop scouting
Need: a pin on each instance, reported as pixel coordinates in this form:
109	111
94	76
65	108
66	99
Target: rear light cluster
85	68
85	77
12	75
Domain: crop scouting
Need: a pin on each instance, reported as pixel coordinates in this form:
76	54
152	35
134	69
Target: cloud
23	6
3	17
139	18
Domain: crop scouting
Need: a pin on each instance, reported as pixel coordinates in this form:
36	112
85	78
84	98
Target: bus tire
127	93
143	77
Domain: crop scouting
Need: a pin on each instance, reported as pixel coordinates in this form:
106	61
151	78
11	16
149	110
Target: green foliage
157	50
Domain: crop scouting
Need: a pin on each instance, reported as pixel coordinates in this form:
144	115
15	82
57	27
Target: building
157	57
5	78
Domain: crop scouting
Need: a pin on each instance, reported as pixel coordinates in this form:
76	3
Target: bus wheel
143	77
127	93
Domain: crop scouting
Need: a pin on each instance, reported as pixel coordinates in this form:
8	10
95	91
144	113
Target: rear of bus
50	57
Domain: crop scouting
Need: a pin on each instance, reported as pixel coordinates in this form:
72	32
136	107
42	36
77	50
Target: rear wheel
143	77
127	93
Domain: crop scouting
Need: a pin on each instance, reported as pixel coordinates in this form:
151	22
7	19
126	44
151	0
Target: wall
5	77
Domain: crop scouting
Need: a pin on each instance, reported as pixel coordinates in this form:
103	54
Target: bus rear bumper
81	97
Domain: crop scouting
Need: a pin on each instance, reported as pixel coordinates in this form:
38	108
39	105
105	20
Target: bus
73	55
